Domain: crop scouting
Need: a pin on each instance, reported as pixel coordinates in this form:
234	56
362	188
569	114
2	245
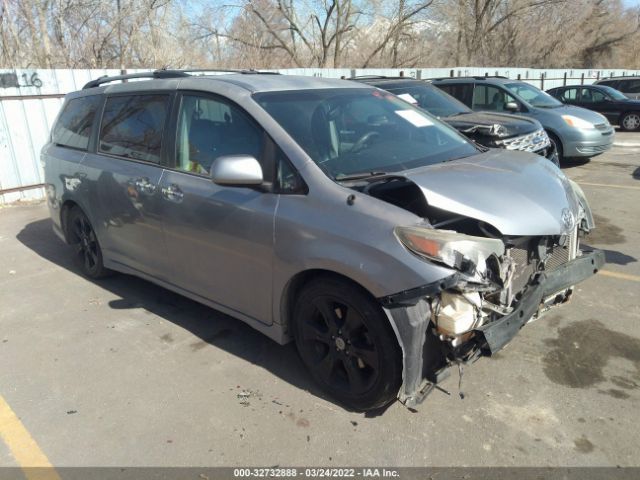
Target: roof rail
475	77
379	77
165	73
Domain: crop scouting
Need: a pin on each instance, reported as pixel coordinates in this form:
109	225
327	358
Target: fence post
419	73
486	74
598	75
564	79
582	79
519	76
451	73
542	81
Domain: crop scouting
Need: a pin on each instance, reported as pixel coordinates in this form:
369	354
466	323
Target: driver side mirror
236	171
511	107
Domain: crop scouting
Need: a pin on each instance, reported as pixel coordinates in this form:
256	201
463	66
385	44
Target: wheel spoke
87	260
77	229
311	331
352	322
368	356
356	380
328	314
327	365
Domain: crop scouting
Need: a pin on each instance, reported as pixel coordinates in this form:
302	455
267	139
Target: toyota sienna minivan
332	214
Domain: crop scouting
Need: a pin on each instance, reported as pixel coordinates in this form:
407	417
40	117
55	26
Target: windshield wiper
359	176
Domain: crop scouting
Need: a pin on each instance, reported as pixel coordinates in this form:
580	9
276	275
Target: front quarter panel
322	231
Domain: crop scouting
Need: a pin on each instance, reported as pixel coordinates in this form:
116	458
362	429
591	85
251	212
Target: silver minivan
329	213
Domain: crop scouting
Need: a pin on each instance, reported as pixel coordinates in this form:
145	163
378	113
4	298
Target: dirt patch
615	393
583	445
583	349
605	233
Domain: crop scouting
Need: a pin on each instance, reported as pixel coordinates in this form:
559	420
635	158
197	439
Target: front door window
209	128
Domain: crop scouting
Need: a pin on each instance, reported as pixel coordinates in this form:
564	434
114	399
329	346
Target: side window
611	83
132	126
569	95
461	91
630	86
73	128
488	97
588	95
288	178
209	128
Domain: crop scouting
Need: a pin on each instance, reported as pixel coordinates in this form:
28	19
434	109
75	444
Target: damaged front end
499	282
478	311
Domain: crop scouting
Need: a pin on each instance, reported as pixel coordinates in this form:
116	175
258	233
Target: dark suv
575	131
493	130
630	86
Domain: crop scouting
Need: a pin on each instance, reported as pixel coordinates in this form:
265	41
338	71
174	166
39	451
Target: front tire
346	342
557	144
88	254
630	122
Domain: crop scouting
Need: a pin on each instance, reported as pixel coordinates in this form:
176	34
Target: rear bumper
494	336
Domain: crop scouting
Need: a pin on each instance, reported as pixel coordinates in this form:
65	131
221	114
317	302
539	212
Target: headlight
577	122
584	204
451	248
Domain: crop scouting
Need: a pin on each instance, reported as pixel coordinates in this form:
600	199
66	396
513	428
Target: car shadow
619	258
210	327
574	162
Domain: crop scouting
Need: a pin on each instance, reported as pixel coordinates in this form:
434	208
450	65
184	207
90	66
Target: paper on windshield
414	118
407	97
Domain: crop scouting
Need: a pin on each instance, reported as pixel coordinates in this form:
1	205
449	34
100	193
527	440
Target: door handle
172	193
143	185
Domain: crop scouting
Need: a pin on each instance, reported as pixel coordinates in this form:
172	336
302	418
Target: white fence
30	100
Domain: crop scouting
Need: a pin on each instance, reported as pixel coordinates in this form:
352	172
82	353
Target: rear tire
630	122
346	342
82	237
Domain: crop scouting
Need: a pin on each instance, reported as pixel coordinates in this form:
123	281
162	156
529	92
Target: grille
532	142
525	266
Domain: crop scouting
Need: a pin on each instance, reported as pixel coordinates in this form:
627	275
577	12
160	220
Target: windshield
347	131
532	95
613	93
433	100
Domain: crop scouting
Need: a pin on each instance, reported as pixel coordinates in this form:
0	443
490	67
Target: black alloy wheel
345	340
85	243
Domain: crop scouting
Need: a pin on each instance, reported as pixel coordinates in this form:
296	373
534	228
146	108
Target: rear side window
569	94
132	126
461	91
610	83
488	97
73	128
629	86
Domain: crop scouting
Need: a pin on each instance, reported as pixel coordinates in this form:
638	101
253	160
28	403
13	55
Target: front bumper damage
425	360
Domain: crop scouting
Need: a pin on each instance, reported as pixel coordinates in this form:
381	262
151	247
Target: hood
518	193
583	113
514	125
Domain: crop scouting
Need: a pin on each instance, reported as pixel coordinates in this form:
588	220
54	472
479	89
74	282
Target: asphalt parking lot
120	372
